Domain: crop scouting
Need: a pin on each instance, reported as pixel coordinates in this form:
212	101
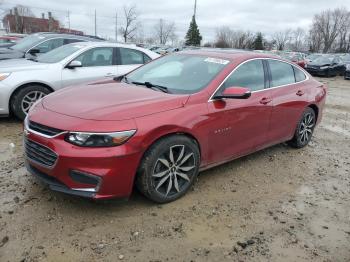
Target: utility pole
116	26
69	21
195	8
95	24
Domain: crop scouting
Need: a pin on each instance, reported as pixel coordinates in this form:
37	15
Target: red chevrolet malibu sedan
161	124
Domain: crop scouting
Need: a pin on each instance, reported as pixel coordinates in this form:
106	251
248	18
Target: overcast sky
254	15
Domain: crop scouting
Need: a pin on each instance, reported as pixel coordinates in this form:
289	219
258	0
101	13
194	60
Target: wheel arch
18	88
163	135
316	110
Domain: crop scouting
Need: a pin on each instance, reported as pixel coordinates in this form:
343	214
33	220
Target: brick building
15	23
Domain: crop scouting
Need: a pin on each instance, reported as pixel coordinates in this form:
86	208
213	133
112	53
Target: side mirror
34	51
234	93
74	64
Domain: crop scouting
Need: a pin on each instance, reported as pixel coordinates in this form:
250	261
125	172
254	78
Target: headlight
348	67
324	67
3	76
84	139
305	66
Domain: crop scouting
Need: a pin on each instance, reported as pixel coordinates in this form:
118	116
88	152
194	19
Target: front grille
48	131
40	154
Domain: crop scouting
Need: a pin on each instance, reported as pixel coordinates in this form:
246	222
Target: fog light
87	179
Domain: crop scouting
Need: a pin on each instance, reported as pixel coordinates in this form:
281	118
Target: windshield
322	60
59	54
27	42
180	74
346	58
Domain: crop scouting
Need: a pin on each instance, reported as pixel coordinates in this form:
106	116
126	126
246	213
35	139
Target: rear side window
282	73
132	57
71	40
299	75
250	75
49	45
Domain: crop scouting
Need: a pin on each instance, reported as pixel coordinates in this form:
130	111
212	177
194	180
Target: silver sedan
23	82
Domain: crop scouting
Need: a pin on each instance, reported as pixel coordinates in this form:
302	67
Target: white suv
23	82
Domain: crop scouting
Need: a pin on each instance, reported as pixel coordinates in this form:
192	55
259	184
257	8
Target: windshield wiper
152	86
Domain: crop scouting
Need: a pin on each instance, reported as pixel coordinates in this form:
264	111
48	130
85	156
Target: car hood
7	53
111	101
319	64
15	65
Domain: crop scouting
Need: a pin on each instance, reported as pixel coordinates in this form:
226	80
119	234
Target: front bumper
55	184
114	168
317	72
5	92
347	74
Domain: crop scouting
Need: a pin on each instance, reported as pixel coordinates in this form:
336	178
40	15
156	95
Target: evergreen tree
193	36
259	41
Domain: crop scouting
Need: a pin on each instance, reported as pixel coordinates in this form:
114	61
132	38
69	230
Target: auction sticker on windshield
217	61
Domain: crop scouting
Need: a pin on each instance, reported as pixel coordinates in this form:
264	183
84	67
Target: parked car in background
168	120
297	58
326	65
312	57
40	43
23	82
7	41
346	60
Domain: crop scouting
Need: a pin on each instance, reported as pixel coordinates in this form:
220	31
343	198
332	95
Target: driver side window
250	75
101	56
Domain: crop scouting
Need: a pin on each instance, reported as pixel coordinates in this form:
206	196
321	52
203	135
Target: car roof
54	35
229	54
103	43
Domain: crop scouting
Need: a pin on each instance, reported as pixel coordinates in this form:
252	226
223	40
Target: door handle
300	93
265	100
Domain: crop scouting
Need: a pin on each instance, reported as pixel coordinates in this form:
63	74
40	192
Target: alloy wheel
173	171
29	100
306	128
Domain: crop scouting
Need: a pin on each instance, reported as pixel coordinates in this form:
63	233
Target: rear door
129	59
96	63
290	96
240	125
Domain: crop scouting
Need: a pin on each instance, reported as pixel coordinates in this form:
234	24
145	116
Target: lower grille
39	153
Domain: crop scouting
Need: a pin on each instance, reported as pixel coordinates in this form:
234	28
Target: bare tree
329	24
129	30
298	39
228	38
164	31
282	38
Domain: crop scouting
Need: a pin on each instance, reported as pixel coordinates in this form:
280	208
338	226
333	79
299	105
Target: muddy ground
279	204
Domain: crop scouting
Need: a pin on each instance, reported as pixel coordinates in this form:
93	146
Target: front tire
169	169
304	130
24	99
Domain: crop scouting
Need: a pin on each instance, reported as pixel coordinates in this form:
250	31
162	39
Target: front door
96	63
237	126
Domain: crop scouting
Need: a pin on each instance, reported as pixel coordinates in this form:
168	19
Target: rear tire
25	98
304	130
168	169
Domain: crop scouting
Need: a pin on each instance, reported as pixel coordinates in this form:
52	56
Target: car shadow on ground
139	203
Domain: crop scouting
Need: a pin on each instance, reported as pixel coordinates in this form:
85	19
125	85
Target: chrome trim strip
92	190
261	58
26	127
133	131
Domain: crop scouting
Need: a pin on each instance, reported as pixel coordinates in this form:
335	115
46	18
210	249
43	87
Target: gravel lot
279	204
